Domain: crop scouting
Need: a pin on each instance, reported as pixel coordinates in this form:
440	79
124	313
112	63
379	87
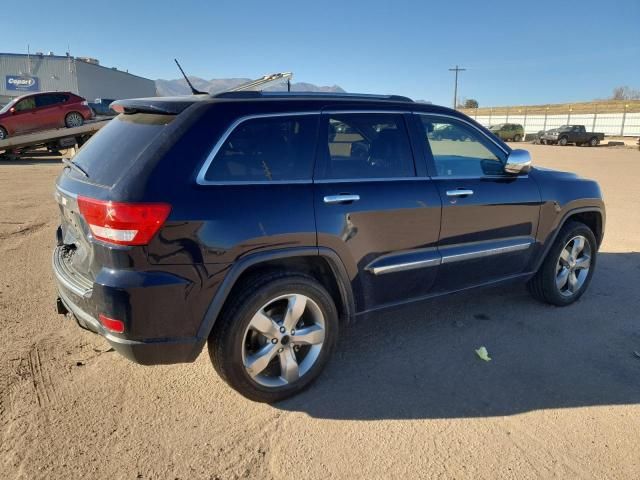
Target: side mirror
12	110
518	162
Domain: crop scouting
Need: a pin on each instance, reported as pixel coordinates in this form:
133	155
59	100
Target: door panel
489	219
386	228
385	239
49	110
489	234
24	118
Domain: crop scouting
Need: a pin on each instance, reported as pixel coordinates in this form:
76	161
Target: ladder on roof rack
249	90
266	79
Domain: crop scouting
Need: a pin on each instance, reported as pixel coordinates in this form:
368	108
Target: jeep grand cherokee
262	223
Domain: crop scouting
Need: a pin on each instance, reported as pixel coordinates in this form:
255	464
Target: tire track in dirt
28	229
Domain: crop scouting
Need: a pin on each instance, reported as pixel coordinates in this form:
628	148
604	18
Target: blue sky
515	52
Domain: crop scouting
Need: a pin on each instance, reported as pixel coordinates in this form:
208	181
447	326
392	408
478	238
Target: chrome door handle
461	192
342	198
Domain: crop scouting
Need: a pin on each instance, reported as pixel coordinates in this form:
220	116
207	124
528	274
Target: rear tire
567	270
593	142
73	119
517	138
271	362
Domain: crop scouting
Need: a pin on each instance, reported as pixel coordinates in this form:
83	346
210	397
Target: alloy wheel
572	268
74	120
283	340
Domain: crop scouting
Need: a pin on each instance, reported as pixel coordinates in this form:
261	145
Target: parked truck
567	134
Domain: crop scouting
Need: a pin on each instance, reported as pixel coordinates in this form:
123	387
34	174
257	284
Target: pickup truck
571	134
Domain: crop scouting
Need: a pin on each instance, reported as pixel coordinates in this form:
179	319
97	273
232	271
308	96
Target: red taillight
111	324
123	223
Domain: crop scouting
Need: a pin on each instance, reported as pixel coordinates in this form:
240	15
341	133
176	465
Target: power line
455	88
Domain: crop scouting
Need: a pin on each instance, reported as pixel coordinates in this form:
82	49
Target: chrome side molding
432	257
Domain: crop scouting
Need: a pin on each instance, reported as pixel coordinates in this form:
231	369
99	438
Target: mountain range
216	85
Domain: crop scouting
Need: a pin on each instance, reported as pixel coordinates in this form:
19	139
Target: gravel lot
405	396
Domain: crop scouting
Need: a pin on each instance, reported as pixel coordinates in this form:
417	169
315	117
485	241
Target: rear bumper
85	300
156	352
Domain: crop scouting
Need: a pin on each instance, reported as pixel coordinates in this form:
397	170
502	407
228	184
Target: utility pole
455	88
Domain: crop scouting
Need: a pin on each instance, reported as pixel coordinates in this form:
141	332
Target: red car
41	111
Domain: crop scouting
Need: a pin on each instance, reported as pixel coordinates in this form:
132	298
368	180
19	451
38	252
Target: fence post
525	121
569	116
595	116
546	112
507	114
490	115
624	117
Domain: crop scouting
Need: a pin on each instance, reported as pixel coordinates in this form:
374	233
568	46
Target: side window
26	104
267	149
46	100
459	150
366	145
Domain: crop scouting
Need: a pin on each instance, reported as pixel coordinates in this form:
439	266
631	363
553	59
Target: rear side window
50	99
265	150
367	145
116	146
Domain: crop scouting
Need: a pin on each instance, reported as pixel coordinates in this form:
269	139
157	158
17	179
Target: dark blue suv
262	223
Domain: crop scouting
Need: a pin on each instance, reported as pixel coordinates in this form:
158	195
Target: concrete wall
615	124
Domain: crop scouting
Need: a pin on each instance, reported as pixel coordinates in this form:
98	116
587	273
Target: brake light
123	223
111	324
85	103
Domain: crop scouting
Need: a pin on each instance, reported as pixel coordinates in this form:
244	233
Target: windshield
496	127
8	106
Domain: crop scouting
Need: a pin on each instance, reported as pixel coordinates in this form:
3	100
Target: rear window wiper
74	166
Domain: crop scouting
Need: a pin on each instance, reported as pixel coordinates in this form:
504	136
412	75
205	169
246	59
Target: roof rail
362	96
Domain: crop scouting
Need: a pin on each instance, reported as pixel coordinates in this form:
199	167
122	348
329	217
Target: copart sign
18	82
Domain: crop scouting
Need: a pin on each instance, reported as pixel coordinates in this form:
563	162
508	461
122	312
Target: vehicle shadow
37	157
419	362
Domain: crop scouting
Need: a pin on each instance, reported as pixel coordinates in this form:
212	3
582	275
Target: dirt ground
404	397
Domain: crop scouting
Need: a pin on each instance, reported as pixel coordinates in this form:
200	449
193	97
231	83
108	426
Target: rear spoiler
157	105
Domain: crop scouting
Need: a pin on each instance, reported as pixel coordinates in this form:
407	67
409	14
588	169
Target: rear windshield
112	150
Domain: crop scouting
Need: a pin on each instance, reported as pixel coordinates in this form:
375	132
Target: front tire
568	267
517	138
563	141
3	134
275	336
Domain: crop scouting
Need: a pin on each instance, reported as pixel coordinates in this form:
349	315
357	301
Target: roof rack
259	94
